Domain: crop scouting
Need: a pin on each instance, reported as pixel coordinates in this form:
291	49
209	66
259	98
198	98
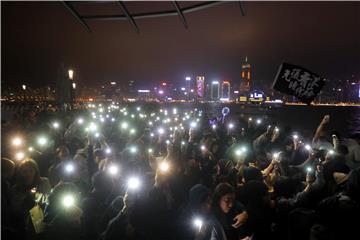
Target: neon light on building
200	83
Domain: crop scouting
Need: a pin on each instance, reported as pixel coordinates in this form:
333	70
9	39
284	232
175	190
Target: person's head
7	168
63	152
252	173
199	199
99	155
28	173
224	197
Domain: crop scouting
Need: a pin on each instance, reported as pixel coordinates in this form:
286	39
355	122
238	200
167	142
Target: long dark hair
20	181
221	190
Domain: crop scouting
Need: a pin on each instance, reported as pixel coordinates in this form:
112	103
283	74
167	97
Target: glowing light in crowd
193	124
150	123
161	131
80	121
17	141
56	125
167	141
108	150
164	166
150	150
309	169
295	136
133	183
133	149
258	121
132	131
42	141
182	142
152	135
113	170
20	156
231	125
250	119
138	109
124	125
213	126
31	149
113	119
331	152
202	147
174	111
238	152
68	201
308	147
92	127
276	155
69	168
198	223
97	135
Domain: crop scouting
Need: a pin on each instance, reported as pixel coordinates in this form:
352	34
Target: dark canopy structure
178	11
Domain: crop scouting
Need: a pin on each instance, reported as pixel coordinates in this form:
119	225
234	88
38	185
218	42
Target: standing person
95	205
22	194
197	221
62	215
230	213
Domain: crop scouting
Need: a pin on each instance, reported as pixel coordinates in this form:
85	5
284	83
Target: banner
298	81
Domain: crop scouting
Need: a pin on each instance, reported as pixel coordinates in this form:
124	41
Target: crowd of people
111	171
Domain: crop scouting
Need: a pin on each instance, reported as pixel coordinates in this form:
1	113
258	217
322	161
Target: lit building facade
200	86
215	90
225	90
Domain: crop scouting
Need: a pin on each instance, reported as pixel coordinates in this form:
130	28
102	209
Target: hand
296	143
326	119
275	161
240	219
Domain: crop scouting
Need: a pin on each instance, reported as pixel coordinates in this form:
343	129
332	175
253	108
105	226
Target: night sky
37	36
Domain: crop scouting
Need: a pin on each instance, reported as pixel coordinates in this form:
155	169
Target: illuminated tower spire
245	85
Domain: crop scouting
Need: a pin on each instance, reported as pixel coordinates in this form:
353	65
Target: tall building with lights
200	86
225	90
245	84
215	90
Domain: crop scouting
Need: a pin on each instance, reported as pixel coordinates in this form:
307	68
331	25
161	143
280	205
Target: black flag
298	81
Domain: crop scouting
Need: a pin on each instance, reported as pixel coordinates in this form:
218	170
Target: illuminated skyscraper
245	84
215	90
225	90
200	87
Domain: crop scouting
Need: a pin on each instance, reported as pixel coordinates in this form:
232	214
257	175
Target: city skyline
165	51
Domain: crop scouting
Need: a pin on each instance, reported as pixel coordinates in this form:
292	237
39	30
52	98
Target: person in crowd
230	213
22	194
96	203
267	182
62	215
